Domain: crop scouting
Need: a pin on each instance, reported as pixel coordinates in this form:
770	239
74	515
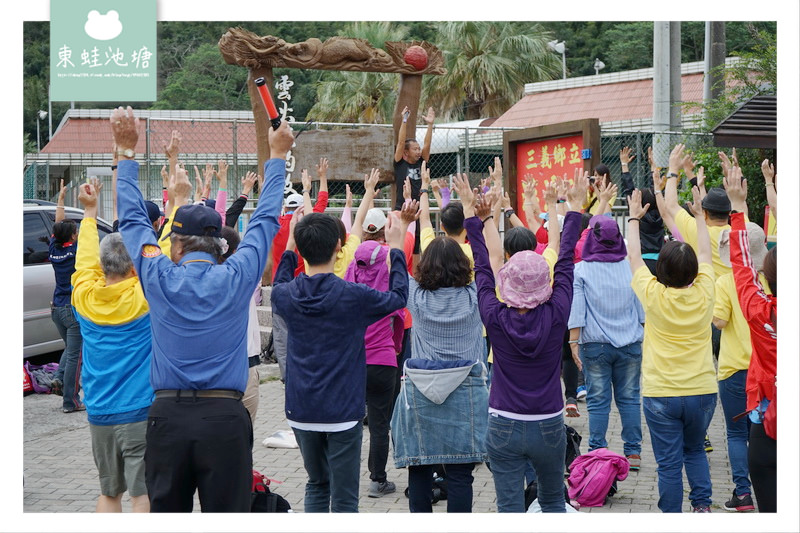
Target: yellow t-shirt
735	347
427	235
688	228
676	354
596	206
344	257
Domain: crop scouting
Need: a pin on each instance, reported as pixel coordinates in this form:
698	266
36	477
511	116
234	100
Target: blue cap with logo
197	220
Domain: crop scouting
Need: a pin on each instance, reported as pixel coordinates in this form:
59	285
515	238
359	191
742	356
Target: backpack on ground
573	446
593	477
41	376
263	499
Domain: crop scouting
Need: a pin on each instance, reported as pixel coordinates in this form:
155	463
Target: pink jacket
592	474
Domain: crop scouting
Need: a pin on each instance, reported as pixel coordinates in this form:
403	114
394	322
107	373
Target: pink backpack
592	474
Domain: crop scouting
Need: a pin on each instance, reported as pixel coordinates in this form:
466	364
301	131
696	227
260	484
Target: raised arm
768	170
305	179
530	205
222	192
484	204
62	192
236	208
553	227
605	192
671	192
756	305
736	187
625	158
637	211
179	190
322	174
114	161
87	257
370	182
424	207
703	239
401	136
426	146
347	217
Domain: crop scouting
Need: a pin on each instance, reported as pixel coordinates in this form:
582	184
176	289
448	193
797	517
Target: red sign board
544	160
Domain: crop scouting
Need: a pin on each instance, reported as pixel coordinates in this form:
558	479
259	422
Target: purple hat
524	281
604	242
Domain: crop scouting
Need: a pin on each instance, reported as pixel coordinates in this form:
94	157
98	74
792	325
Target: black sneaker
378	489
707	445
56	387
741	504
701	509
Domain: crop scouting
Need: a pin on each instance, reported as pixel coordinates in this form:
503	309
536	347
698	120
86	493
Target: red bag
27	385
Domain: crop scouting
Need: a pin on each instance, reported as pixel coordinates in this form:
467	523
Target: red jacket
760	311
282	237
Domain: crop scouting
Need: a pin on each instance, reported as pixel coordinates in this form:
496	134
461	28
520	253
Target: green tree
488	65
360	96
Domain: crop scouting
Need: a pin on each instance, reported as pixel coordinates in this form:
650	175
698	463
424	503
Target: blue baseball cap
153	211
196	220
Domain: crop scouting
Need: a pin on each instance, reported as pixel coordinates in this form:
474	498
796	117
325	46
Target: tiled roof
93	135
610	102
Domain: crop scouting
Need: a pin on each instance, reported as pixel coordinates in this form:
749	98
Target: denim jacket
441	413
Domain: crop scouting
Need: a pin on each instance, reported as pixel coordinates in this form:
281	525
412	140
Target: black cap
197	220
717	200
153	211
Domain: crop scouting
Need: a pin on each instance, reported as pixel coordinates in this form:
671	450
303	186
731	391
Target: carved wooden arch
261	54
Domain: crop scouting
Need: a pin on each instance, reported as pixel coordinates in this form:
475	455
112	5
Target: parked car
39	333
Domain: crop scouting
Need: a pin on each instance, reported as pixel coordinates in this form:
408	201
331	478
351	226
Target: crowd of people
457	343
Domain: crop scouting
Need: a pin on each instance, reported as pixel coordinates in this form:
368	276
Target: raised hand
736	188
768	170
409	212
164	176
180	189
171	149
247	182
697	204
322	168
395	230
635	207
371	180
551	192
484	204
496	173
461	184
208	174
726	163
605	192
658	181
576	194
429	118
348	197
222	173
305	179
125	128
676	158
625	156
407	189
688	164
425	175
651	159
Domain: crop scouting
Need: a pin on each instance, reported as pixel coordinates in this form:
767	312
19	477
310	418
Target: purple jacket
592	474
526	373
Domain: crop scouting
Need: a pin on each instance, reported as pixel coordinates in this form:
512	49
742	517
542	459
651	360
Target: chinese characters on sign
283	85
137	59
544	160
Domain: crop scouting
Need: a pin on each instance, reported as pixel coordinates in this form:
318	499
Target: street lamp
598	66
559	47
41	115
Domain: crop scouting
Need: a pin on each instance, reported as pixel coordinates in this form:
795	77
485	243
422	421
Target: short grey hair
114	258
200	243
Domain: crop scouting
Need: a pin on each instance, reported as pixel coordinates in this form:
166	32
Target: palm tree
367	97
488	65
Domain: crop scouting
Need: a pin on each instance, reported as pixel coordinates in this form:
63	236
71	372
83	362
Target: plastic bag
41	376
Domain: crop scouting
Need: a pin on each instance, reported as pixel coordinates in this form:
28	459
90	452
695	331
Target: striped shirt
604	305
447	323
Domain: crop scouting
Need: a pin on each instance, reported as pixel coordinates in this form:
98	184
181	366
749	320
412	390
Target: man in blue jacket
199	435
326	365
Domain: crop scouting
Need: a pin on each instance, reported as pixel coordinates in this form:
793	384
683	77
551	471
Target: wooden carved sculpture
261	54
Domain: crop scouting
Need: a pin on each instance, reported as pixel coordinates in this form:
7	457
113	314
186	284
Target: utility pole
714	57
666	86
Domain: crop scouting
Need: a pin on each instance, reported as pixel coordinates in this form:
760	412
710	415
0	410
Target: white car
39	333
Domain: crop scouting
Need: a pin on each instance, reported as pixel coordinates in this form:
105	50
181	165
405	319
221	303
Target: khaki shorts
118	452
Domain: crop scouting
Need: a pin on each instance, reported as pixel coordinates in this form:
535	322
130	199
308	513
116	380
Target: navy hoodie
326	318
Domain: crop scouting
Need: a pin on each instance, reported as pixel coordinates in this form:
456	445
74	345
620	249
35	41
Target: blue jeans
733	398
678	426
333	464
607	367
512	445
69	367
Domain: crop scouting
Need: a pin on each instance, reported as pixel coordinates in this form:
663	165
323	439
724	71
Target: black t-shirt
403	169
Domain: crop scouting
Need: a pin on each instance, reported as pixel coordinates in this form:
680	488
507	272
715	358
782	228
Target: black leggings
459	488
762	461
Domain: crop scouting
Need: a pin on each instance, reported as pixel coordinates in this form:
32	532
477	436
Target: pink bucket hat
524	281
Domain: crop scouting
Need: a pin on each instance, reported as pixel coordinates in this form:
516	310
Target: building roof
618	100
753	125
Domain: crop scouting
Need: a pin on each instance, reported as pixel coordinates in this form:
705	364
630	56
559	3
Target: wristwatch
672	175
423	191
126	153
508	213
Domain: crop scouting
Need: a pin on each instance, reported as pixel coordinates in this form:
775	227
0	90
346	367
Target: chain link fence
466	149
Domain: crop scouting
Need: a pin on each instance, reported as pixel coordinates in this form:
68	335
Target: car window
36	240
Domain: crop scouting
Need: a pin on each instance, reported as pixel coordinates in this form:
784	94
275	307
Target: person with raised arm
327	319
526	409
679	390
768	171
199	366
760	310
117	346
63	247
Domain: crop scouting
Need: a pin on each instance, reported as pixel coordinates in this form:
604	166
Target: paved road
57	447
